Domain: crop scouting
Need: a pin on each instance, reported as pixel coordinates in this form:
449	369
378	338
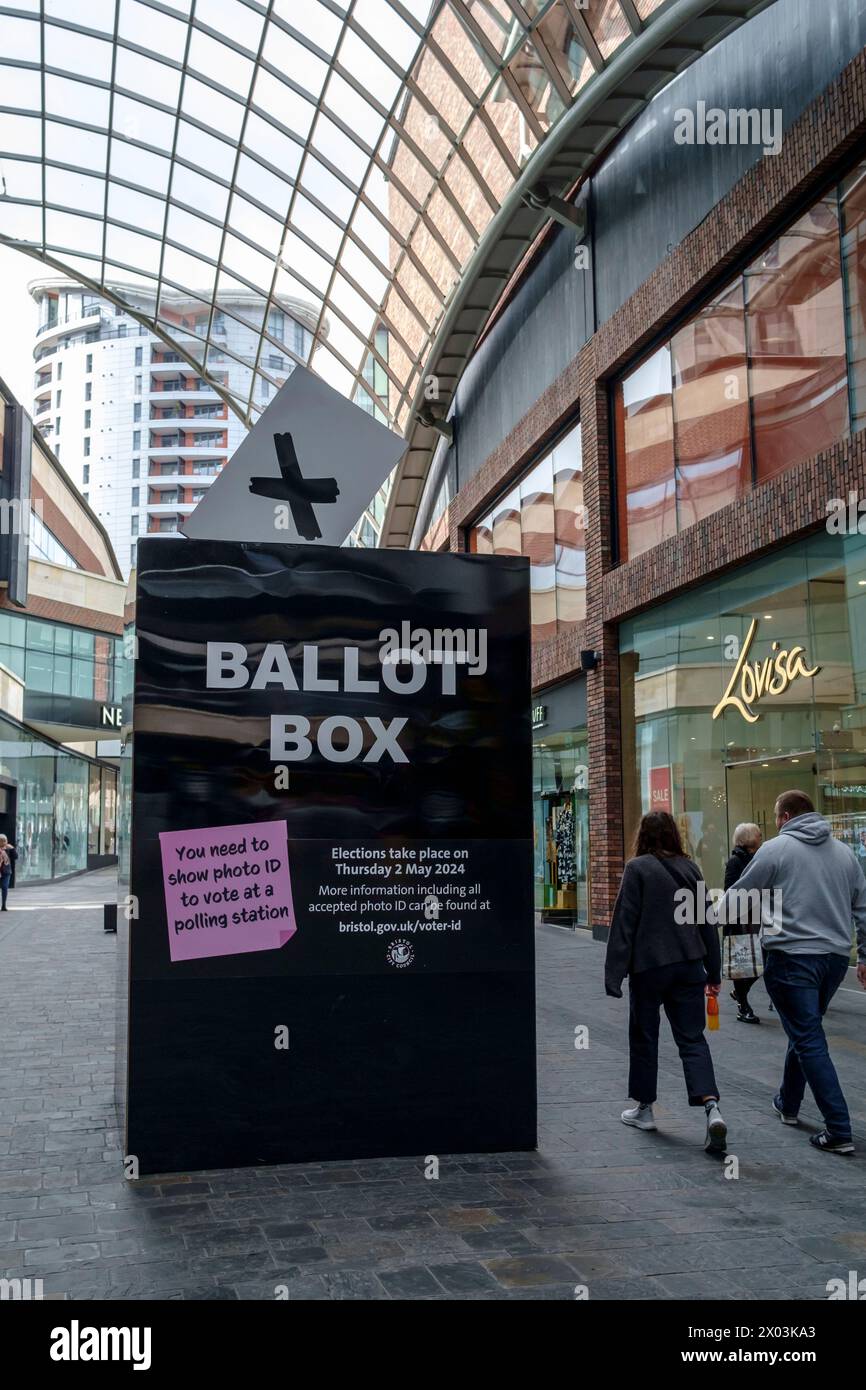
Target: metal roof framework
368	158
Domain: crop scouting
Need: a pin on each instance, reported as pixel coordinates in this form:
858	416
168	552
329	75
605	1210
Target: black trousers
740	988
679	990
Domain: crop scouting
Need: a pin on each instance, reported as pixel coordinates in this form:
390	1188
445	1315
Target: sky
18	315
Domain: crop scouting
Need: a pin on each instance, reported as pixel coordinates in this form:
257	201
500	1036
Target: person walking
671	963
747	841
818	896
7	870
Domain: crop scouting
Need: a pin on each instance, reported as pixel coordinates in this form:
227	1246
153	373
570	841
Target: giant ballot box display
327	927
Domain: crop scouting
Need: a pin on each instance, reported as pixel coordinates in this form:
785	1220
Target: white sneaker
717	1131
641	1116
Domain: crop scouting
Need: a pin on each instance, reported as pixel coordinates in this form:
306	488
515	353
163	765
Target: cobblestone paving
626	1214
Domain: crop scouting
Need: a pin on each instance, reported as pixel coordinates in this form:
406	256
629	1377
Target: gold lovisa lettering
772	676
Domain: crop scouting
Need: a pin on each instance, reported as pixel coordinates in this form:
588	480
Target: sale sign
660	789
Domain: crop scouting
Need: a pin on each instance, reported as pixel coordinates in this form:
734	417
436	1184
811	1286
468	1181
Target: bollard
109	917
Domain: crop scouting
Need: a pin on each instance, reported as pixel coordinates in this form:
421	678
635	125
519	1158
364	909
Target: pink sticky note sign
228	889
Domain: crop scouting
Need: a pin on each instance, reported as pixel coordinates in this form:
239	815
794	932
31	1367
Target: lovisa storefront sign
752	681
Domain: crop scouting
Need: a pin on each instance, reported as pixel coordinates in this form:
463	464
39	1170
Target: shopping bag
741	956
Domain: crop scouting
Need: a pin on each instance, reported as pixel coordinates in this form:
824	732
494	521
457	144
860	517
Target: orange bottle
712	1012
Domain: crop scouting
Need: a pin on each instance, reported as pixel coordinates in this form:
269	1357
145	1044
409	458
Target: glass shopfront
560	774
747	687
53	797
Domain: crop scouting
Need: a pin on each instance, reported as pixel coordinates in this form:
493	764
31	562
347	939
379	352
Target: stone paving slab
628	1215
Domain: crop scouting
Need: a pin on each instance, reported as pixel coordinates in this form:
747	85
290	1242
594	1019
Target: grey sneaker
717	1131
641	1116
786	1119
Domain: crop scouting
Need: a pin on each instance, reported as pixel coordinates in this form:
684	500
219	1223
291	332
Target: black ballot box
328	920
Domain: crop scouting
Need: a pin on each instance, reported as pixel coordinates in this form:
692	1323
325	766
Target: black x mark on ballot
294	488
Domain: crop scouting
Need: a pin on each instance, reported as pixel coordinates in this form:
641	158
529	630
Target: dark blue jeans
801	988
4	884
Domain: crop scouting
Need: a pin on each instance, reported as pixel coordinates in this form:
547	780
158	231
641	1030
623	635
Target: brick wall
815	148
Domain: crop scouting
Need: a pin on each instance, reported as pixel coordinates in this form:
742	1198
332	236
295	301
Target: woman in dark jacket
659	937
747	841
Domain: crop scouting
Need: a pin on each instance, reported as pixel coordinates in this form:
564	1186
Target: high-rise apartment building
133	423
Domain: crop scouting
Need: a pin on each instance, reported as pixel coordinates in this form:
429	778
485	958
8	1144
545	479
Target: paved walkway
626	1214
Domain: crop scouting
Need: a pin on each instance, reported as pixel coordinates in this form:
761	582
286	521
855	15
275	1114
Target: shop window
645	454
542	518
798	376
569	529
711	408
537	543
853	206
482	537
506	525
561	826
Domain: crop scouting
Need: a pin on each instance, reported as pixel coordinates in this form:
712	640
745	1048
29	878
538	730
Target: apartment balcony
169	448
91	318
165	419
163	509
185	393
169	364
193	417
208	422
174	479
41	406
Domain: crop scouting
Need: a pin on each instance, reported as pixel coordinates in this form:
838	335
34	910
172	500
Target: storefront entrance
835	779
753	787
750	686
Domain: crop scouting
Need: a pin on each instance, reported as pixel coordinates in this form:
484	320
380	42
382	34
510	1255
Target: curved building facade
666	414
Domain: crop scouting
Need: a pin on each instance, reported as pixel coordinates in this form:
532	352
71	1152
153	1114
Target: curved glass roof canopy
250	155
348	160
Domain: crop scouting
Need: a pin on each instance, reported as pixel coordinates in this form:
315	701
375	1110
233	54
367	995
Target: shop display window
542	517
561	814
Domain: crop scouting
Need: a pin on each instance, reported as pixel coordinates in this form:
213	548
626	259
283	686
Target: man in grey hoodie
816	897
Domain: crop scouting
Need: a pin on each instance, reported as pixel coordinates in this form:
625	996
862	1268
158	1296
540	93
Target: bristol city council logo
400	954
